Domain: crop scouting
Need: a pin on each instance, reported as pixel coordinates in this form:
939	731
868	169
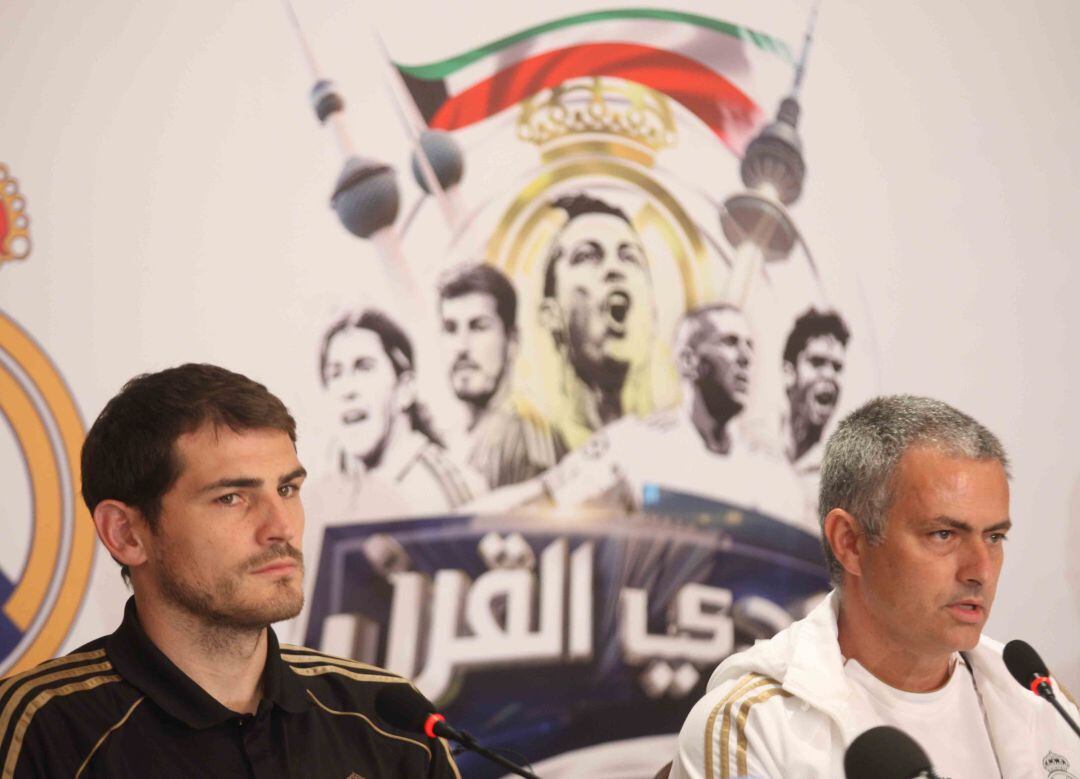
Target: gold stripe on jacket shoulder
319	670
296	657
7	771
740	728
745	693
33	684
9	682
710	724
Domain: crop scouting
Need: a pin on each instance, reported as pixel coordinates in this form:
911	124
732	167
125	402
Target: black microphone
1028	668
886	752
403	707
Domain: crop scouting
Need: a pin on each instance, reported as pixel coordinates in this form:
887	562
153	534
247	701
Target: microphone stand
470	743
1043	689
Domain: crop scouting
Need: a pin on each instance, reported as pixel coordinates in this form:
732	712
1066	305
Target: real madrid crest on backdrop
48	545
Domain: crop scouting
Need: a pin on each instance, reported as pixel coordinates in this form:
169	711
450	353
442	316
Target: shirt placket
256	736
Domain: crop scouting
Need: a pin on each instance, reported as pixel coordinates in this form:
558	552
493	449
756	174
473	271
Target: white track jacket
780	710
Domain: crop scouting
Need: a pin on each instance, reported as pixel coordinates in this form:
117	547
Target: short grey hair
695	326
859	467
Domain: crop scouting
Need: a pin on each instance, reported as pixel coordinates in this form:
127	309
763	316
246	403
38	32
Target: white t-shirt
948	723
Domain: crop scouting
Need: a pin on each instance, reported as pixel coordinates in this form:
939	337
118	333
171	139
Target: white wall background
178	187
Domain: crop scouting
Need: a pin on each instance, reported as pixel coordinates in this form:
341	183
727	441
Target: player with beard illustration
598	307
507	440
702	451
388	446
814	358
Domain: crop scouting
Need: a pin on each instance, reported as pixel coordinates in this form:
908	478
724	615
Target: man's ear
405	395
790	376
846	539
122	529
551	318
688	364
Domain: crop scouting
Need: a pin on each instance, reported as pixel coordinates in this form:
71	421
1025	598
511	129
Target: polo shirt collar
143	665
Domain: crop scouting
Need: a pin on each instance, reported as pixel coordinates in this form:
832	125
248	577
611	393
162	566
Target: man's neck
714	432
227	663
804	435
898	667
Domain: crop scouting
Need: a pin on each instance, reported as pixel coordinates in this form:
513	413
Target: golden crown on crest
596	106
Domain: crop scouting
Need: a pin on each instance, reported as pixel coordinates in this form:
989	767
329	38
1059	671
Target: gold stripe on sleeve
6	684
32	684
318	670
740	727
371	724
725	729
106	734
293	657
710	723
7	771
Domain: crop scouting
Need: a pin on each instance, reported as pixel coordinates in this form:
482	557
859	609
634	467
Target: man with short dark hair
598	307
368	369
914	511
507	440
814	358
192	479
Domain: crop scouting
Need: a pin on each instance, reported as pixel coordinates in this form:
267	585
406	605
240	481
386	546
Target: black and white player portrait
714	350
598	306
368	370
814	358
506	440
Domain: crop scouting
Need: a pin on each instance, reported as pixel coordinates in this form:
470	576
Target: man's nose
977	565
279	521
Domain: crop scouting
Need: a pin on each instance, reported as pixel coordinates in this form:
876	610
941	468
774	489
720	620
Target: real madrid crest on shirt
1057	767
48	543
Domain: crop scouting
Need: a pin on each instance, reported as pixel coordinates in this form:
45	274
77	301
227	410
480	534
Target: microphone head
403	707
885	752
1023	662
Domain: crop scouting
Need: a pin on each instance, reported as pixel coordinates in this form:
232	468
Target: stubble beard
217	607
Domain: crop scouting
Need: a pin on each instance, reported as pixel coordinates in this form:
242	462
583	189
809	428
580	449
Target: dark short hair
814	324
488	280
129	453
575	206
398	349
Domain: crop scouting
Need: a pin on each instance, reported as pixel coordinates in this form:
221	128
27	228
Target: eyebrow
249	483
957	524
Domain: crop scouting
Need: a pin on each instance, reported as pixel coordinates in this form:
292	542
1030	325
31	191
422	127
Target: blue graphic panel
544	634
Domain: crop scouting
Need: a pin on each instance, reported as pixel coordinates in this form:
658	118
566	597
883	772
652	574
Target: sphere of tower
445	156
366	196
774	160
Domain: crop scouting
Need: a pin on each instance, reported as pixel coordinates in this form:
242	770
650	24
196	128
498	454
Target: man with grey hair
914	511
